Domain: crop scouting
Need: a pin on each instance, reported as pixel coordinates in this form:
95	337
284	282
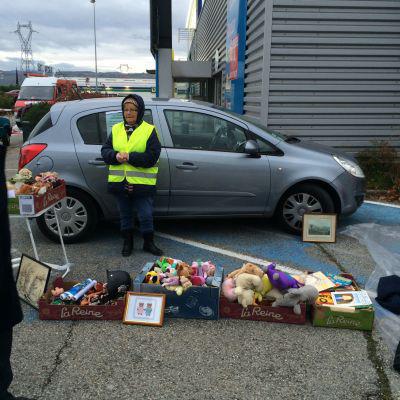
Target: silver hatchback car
213	163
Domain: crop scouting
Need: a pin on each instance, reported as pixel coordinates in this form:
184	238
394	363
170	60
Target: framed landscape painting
320	228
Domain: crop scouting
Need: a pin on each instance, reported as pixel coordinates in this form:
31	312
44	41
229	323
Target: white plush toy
293	297
246	284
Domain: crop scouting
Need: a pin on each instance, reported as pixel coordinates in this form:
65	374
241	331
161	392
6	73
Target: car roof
39	81
100	102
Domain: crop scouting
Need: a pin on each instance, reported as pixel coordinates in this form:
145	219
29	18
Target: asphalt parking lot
197	359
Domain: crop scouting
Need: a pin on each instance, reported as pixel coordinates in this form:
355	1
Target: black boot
149	245
127	247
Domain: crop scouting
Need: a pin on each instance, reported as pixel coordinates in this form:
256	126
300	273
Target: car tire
306	198
77	215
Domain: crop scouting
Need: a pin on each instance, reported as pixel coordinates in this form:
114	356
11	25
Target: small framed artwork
144	309
319	228
32	279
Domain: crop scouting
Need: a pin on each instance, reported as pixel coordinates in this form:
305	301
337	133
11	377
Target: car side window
198	131
94	128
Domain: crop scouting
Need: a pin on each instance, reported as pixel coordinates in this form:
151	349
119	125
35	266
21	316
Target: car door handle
97	161
187	166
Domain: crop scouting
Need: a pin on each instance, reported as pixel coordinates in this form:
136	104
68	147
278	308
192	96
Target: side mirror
252	148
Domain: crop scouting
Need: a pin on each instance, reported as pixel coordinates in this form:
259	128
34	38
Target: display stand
67	266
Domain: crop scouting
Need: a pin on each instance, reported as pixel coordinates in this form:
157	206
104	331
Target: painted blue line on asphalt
378	214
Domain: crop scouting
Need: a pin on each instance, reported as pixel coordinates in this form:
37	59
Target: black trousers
6	375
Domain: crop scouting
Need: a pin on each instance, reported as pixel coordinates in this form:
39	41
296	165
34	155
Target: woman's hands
122	157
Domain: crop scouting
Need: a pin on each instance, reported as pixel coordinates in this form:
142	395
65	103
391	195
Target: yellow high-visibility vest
137	143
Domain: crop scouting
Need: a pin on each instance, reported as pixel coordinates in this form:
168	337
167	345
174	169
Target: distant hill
8	77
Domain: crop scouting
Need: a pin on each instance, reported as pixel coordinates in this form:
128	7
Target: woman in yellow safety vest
132	152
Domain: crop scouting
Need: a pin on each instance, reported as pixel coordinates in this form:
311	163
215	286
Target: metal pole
94	29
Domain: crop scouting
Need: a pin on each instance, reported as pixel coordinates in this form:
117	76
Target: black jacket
142	160
11	313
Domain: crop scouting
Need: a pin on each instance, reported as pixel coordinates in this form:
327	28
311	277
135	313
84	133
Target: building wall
327	70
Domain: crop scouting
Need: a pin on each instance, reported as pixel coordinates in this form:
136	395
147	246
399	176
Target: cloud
65	32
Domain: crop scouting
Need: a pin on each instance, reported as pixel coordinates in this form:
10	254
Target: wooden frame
144	309
319	227
32	279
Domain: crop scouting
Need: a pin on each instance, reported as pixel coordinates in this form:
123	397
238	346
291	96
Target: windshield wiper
292	139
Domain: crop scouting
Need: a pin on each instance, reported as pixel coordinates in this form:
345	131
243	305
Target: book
320	281
324	299
356	299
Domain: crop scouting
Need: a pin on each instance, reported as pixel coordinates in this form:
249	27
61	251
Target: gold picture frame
32	279
319	228
144	309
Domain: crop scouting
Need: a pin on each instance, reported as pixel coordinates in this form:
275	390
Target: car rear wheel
77	215
300	200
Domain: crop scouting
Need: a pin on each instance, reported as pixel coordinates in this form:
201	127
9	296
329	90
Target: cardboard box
263	312
340	317
62	312
196	302
30	205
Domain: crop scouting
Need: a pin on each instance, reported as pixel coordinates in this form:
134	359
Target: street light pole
95	45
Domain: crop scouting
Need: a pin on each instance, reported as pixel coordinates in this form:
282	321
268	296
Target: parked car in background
213	163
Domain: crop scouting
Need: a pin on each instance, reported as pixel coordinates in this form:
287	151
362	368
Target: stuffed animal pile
250	284
25	183
178	276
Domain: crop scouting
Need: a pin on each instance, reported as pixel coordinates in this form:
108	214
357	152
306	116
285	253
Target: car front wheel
77	216
300	200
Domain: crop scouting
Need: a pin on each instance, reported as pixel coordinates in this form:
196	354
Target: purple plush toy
280	279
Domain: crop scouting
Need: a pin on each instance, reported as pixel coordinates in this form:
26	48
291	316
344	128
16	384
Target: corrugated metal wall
328	70
335	71
210	35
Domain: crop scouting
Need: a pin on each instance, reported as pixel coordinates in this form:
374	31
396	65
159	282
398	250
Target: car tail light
29	152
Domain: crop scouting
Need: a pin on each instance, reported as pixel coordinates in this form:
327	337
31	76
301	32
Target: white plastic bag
383	243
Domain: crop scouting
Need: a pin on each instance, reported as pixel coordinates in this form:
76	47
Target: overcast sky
66	40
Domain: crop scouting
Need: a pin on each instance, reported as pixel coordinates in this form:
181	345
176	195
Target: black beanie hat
140	104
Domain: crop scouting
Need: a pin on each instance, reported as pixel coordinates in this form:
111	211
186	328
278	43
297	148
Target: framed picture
32	279
144	309
319	228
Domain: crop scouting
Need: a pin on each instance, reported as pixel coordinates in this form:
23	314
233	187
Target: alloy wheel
72	216
296	206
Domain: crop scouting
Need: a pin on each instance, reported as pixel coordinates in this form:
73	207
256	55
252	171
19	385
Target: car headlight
350	166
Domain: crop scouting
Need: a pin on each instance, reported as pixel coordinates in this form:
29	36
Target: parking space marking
382	204
240	256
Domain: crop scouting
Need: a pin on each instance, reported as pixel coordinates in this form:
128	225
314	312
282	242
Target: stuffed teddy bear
227	288
293	297
246	284
247	268
280	279
183	269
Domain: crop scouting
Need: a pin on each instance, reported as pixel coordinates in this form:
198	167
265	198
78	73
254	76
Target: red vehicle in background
39	89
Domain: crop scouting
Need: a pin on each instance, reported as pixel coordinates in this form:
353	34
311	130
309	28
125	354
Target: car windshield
277	135
36	93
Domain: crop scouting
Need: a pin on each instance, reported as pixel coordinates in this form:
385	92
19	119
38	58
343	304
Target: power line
26	45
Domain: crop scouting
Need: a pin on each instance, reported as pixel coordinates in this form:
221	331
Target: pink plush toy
172	281
228	286
208	268
198	280
280	279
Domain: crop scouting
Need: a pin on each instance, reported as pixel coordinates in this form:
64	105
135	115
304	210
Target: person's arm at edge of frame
151	155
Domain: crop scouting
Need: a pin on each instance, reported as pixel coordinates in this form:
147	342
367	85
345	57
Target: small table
67	266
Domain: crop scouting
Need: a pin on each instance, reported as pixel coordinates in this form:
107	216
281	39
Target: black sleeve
150	157
108	153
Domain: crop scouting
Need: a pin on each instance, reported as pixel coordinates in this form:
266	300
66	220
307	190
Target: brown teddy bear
247	268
